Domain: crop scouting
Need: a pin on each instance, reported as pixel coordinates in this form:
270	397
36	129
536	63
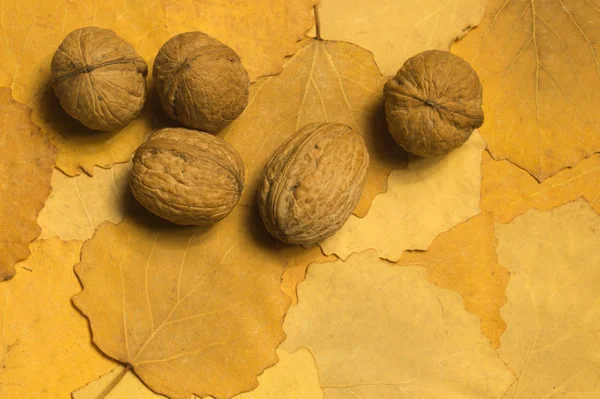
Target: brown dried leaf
323	82
396	31
261	31
193	310
553	306
45	344
430	197
26	163
508	191
539	65
464	260
381	331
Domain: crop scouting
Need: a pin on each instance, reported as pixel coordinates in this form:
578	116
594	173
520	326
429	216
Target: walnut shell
433	103
313	182
99	78
187	177
200	81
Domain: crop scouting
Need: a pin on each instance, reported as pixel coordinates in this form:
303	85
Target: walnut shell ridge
433	103
99	78
187	177
200	81
313	182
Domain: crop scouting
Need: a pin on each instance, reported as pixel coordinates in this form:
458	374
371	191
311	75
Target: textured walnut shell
313	182
433	103
200	81
187	177
99	78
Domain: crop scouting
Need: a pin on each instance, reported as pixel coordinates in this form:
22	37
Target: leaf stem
114	383
317	22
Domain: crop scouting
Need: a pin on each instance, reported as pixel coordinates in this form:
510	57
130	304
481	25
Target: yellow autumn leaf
263	32
78	205
553	307
431	196
194	310
322	82
297	259
295	376
381	331
538	63
464	260
26	163
45	345
508	191
395	31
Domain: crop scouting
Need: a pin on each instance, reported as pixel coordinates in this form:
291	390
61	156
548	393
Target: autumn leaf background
470	275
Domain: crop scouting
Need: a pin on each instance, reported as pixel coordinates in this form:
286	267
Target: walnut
433	103
313	182
99	78
200	81
187	177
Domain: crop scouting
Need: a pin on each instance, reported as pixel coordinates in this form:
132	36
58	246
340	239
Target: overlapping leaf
394	30
464	260
380	331
295	376
45	344
262	32
553	307
78	205
508	191
26	162
297	260
539	65
430	197
192	310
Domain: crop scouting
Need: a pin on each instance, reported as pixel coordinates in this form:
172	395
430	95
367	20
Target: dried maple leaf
431	196
26	163
464	260
78	205
322	82
295	376
539	67
508	191
377	331
553	307
395	32
191	310
45	345
263	32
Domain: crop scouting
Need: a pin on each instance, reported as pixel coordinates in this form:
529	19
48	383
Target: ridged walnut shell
313	182
433	103
200	81
99	78
187	177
